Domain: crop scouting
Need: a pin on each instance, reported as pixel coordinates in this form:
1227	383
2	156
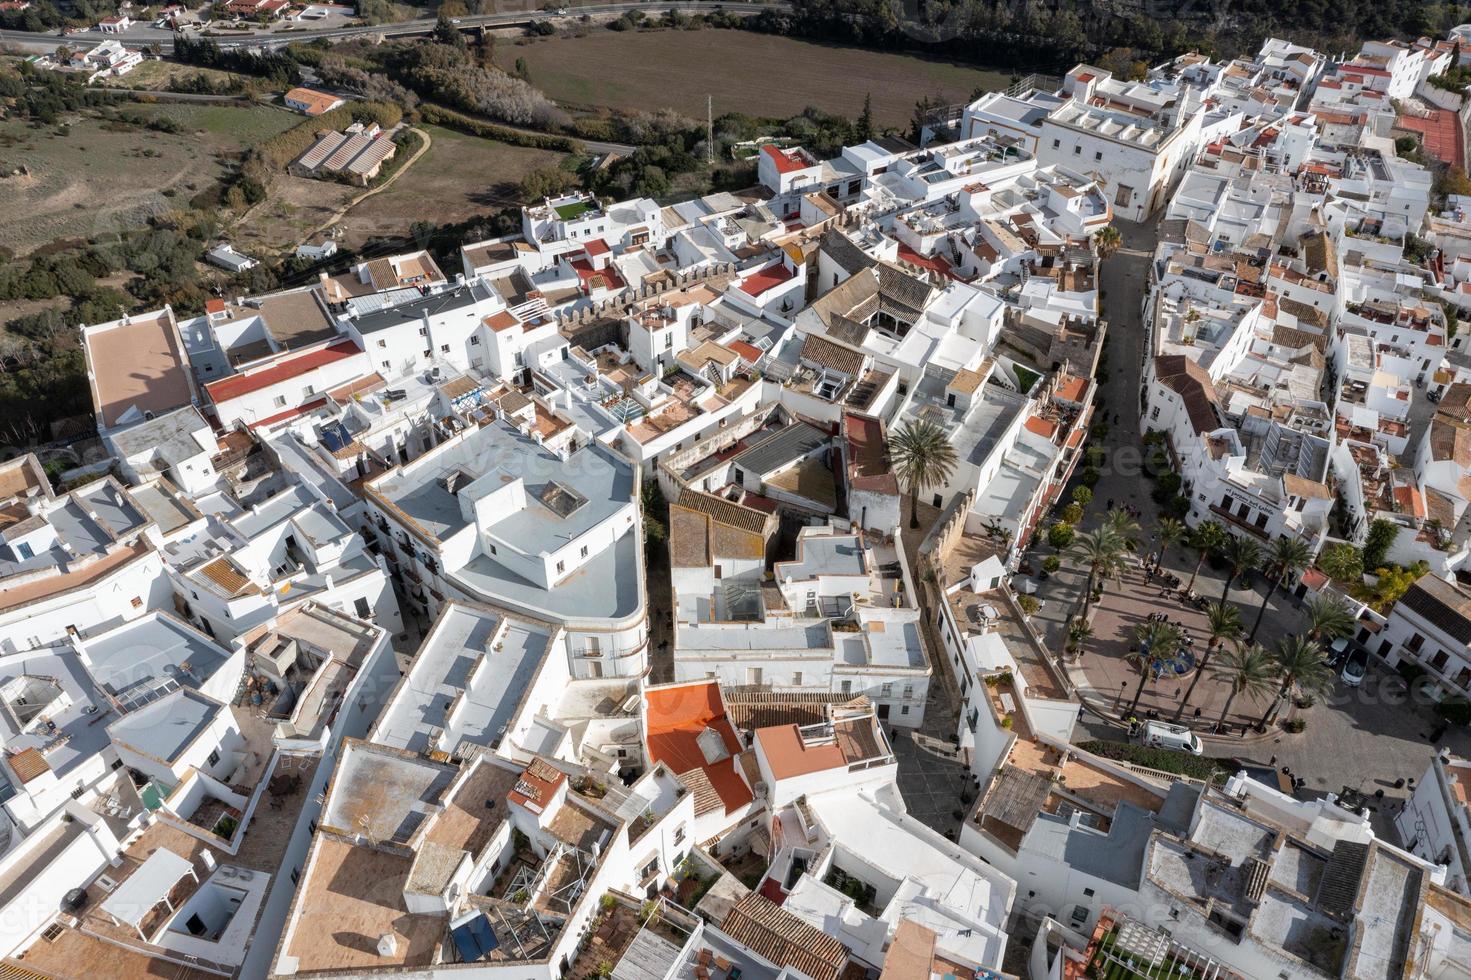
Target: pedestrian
1110	503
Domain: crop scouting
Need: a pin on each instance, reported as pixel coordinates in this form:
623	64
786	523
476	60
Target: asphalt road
141	36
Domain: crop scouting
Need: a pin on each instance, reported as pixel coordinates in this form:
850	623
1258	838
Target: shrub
1165	760
1090	476
1072	513
1082	495
440	116
1294	725
1028	604
1051	563
1060	535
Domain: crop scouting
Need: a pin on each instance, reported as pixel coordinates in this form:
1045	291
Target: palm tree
1247	670
1301	665
1107	240
1124	526
1328	618
1170	532
1207	539
1102	552
1241	555
923	458
1158	643
1285	558
1078	632
1223	625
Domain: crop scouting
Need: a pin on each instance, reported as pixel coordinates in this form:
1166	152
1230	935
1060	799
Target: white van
1159	735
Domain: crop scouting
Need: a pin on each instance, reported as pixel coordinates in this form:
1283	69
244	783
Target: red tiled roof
784	162
932	262
748	352
214	306
768	278
585	272
595	247
1037	425
243	384
675	718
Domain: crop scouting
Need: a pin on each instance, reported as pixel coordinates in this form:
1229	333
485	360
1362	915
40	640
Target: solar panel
335	437
473	937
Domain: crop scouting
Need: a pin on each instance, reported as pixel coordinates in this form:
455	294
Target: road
146	35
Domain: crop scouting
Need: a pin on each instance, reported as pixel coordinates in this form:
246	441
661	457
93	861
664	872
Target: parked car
1159	735
1355	668
1338	652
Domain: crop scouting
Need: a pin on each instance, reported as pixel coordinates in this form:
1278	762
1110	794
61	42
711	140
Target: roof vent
387	944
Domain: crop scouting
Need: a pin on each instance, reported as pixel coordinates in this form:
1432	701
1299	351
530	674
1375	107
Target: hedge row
282	148
438	115
1165	760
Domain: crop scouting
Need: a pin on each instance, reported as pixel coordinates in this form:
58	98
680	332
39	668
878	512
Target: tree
1079	631
1060	535
522	71
1246	670
1452	180
1394	582
447	33
656	511
1285	558
1157	645
1343	564
1082	495
1381	536
1241	556
865	120
546	182
1328	618
1223	625
922	458
1102	553
1207	539
1170	532
1124	526
1107	240
1300	664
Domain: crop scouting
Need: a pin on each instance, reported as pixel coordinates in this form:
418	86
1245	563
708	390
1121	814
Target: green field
459	177
245	125
759	74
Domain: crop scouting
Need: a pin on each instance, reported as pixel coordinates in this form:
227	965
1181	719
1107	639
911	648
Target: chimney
207	858
387	944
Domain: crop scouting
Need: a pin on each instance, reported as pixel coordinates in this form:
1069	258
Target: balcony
1235	521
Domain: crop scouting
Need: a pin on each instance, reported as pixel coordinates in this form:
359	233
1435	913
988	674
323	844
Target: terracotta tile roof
313	103
538	783
223	573
504	320
1191	382
823	352
781	938
724	511
243	384
675	719
28	764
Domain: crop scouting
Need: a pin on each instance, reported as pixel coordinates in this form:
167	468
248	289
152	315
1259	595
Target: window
137	602
428	354
279	401
649	870
1087	893
679	835
1098	155
796	678
904	709
214	757
847	687
1123	197
1056	144
360	605
908	691
561	567
669	340
1077	151
382	343
886	690
387	365
423	331
1416	642
475	341
308	391
444	348
24	550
